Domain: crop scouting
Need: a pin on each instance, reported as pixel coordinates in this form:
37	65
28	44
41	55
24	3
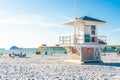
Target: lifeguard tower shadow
115	64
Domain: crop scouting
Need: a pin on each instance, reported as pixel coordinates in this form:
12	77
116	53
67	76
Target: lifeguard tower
85	45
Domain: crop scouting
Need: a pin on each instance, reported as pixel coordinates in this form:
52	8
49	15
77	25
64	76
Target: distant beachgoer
21	55
65	52
17	54
38	52
13	53
46	53
51	53
24	55
9	55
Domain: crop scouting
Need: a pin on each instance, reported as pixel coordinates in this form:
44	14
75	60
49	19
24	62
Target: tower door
97	54
79	34
87	53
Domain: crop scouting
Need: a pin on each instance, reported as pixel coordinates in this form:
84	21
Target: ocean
49	50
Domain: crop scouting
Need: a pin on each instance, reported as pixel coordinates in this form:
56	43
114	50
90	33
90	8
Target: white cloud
28	19
28	30
27	38
66	18
116	30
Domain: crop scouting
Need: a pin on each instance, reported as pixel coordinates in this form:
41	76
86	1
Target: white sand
36	67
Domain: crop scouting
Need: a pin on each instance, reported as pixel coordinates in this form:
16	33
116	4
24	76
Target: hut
85	45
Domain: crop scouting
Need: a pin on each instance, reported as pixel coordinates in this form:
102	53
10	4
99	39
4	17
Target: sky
30	23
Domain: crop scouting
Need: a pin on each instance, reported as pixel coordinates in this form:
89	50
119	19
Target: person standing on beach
46	53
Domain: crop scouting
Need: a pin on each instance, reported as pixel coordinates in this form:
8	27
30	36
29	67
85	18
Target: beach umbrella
41	48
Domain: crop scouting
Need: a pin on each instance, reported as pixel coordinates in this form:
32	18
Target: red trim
73	50
87	50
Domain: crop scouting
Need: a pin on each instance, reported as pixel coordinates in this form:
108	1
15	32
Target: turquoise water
53	50
49	50
111	50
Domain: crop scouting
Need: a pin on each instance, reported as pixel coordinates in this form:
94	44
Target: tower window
93	29
93	32
87	37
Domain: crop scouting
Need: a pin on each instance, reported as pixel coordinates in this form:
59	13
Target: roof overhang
83	22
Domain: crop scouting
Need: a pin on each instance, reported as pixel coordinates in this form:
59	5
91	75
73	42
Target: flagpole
75	21
74	8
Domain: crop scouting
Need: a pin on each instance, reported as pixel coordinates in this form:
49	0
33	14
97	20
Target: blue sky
30	23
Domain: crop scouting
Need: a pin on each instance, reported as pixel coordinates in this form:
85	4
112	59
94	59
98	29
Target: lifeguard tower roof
86	21
86	18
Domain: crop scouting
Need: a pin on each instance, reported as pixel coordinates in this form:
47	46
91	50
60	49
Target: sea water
49	50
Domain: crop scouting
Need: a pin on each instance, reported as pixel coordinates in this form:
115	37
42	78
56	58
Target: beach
53	67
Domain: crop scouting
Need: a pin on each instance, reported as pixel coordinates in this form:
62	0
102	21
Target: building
113	46
85	45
